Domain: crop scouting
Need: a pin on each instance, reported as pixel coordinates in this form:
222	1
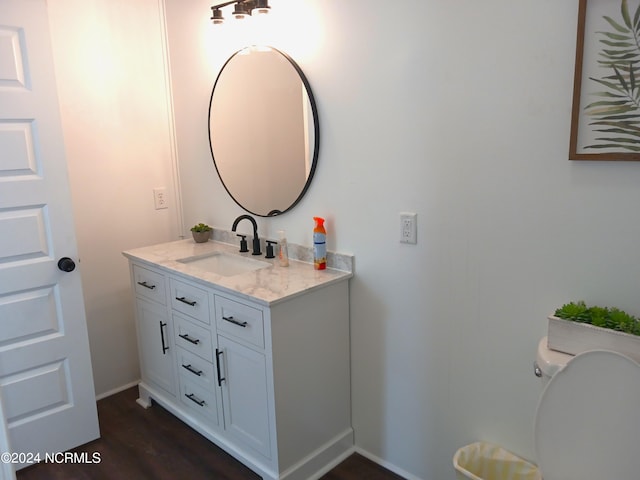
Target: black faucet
256	240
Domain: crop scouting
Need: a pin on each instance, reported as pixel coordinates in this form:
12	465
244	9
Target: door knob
66	264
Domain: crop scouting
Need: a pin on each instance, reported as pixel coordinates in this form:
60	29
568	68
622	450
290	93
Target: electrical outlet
408	228
160	198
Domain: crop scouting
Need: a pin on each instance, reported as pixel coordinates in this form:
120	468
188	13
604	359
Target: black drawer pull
146	285
235	322
192	370
195	399
186	337
188	302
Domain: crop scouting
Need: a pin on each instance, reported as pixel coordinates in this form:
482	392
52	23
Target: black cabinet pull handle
146	285
220	378
195	399
188	302
164	346
186	337
230	319
192	370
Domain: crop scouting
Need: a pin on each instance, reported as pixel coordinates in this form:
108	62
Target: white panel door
7	472
46	381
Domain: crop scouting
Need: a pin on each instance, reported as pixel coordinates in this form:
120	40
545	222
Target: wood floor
153	444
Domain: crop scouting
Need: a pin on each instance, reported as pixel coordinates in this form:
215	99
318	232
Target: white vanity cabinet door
155	345
245	396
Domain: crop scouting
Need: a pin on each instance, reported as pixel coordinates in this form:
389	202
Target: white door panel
46	382
245	395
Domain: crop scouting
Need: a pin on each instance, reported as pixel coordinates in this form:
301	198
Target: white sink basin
225	264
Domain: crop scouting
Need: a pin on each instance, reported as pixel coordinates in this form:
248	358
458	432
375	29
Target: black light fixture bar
242	8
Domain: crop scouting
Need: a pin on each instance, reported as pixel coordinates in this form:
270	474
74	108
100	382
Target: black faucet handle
270	244
256	246
243	243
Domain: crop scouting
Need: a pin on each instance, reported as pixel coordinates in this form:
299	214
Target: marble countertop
266	286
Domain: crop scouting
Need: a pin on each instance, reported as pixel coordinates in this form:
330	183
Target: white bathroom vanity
252	355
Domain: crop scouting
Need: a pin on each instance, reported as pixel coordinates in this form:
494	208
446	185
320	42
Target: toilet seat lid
588	420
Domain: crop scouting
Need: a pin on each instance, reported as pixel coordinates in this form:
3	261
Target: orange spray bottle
319	245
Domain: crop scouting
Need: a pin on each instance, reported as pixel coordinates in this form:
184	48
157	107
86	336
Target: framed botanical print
605	118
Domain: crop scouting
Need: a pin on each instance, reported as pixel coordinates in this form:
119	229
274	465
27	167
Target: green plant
611	318
201	227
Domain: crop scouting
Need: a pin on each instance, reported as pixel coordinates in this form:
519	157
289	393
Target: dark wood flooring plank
141	444
360	468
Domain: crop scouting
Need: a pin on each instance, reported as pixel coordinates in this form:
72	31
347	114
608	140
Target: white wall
113	95
459	111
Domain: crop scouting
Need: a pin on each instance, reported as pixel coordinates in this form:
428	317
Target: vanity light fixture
242	9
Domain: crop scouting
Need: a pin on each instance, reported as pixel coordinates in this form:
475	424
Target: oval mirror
263	130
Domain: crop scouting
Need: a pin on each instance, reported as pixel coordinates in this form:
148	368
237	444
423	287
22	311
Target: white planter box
574	338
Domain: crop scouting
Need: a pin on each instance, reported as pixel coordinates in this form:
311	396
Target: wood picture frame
605	116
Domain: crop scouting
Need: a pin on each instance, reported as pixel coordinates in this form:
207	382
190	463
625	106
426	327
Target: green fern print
616	113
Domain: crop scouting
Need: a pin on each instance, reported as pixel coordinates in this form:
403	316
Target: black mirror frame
316	128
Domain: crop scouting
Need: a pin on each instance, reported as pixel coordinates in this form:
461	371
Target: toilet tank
549	362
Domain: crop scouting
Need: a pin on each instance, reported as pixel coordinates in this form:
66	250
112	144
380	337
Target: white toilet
587	424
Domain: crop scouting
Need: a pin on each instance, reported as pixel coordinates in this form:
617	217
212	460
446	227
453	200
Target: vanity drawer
189	299
239	320
192	337
194	368
149	284
199	399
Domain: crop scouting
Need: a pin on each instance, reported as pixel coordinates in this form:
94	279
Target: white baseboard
320	461
387	465
116	390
